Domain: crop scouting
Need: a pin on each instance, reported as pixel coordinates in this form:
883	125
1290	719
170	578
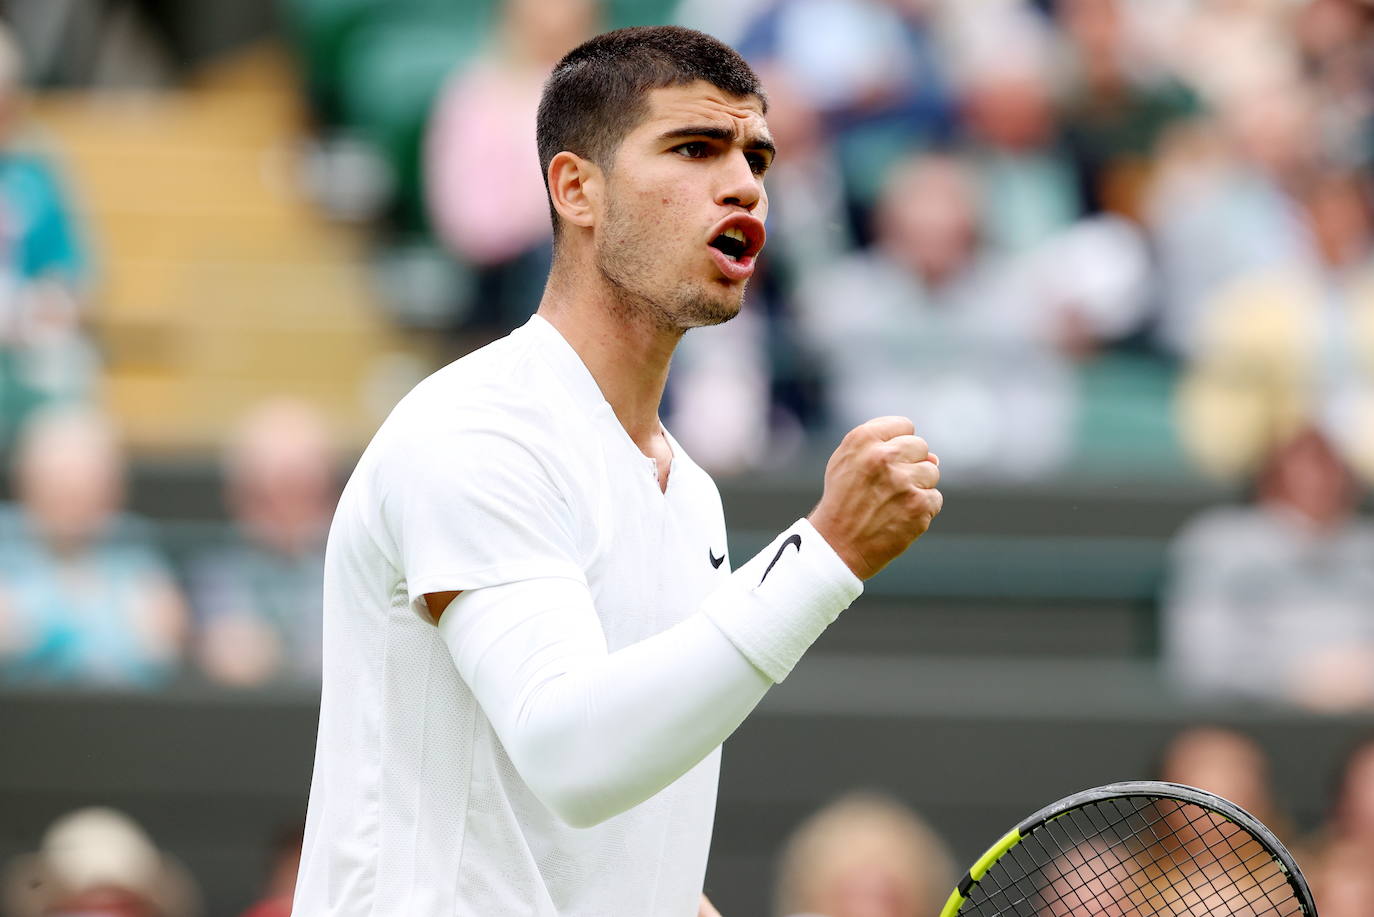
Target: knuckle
932	475
890	426
863	435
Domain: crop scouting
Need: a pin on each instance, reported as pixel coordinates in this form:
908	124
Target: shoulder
502	388
504	409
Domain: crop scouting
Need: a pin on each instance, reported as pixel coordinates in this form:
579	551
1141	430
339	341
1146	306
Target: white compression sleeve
595	733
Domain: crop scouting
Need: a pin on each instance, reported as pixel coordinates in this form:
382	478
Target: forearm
594	733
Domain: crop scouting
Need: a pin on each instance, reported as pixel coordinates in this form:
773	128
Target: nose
739	186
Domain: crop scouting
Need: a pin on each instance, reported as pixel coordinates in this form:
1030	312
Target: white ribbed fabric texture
777	604
595	733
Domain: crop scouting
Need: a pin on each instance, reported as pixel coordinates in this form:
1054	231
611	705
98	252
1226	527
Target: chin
702	311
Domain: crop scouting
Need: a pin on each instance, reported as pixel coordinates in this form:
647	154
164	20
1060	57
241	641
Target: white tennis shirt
504	467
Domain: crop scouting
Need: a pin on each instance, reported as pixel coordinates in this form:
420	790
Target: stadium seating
221	284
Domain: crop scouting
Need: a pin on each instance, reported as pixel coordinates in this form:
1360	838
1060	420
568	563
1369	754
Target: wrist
825	527
780	601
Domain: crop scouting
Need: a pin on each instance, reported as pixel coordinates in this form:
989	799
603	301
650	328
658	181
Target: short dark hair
599	91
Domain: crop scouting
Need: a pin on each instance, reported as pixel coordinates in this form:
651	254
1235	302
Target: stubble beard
625	259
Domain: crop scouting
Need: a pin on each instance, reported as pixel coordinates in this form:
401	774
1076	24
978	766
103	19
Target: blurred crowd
980	213
864	854
979	209
91	595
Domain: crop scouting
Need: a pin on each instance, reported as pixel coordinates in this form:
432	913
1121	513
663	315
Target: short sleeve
476	508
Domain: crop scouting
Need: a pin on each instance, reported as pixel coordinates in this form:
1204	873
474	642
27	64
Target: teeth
731	243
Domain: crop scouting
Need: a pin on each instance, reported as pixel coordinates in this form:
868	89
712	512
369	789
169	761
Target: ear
575	185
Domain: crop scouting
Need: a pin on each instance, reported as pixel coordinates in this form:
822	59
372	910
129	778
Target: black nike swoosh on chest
715	561
793	539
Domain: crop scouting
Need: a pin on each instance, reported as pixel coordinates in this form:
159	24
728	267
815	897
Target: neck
626	351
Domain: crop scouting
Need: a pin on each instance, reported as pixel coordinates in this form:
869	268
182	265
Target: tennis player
534	645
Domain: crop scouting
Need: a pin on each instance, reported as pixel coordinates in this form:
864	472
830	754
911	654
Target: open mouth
732	243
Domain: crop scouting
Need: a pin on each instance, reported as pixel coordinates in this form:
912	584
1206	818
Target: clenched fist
879	495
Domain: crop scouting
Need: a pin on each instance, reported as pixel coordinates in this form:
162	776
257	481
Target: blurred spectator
98	862
1290	341
1275	601
1222	202
1092	879
1217	44
43	354
932	325
281	875
705	16
1227	763
1004	72
863	855
1342	881
1089	284
872	71
258	600
1351	817
720	393
1334	38
84	596
1117	107
483	184
1341	866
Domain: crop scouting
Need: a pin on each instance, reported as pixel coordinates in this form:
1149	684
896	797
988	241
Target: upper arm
473	508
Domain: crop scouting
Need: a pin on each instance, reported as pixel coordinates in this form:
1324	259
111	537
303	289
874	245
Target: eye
757	162
695	149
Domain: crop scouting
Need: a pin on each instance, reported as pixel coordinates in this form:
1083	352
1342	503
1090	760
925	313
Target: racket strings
1173	873
1258	866
1077	870
1136	857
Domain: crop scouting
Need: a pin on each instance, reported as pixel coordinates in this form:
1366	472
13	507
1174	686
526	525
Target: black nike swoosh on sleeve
793	539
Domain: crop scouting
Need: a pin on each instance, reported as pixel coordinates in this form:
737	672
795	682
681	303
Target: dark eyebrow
724	135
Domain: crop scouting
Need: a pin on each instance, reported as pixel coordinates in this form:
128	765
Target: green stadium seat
319	31
1126	421
396	64
621	13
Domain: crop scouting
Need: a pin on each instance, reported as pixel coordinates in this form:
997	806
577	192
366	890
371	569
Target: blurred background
1114	257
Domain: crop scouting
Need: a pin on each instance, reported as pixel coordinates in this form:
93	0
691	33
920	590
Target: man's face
683	218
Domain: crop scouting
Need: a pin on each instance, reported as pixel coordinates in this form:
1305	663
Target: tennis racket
1135	849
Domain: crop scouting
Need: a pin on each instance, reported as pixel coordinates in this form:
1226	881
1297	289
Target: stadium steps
219	284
